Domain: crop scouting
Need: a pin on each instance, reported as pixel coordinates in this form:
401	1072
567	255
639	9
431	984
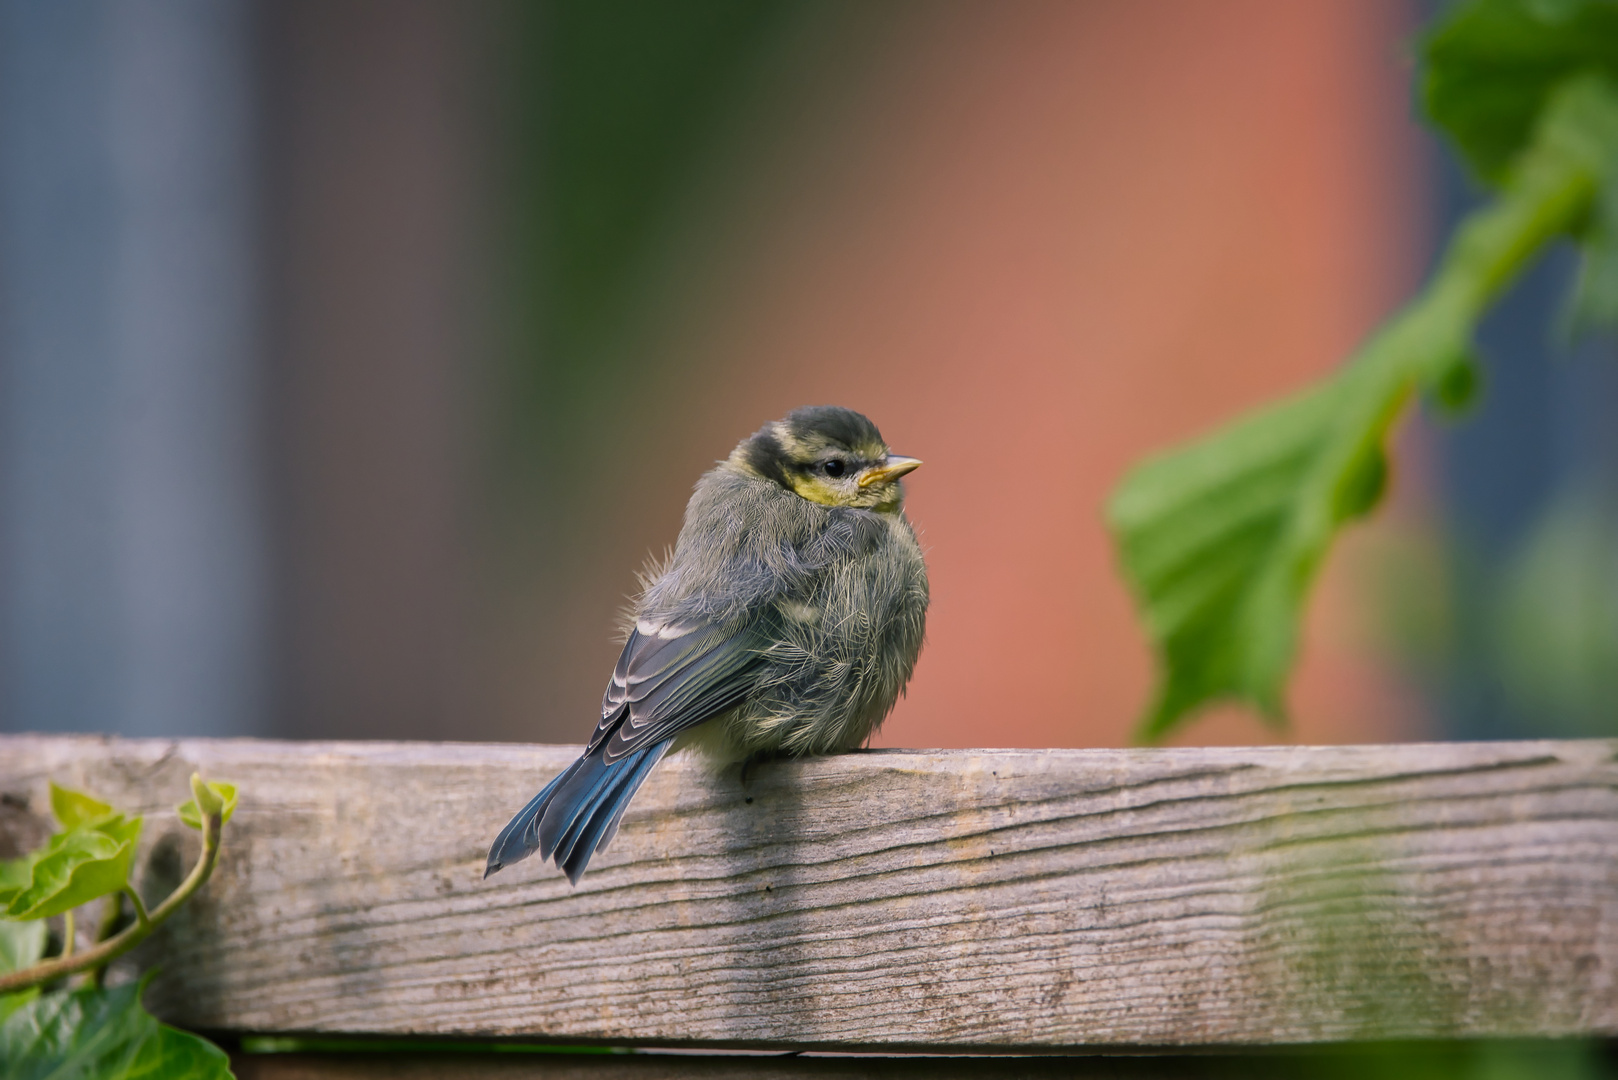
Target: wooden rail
988	899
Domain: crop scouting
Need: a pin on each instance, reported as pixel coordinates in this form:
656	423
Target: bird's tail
577	813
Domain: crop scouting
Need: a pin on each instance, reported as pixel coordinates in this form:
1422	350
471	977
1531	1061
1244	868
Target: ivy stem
112	948
141	917
111	911
69	934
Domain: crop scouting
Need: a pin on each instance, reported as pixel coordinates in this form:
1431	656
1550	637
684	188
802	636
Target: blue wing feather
667	681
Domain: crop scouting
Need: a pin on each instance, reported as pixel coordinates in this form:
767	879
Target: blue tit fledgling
786	621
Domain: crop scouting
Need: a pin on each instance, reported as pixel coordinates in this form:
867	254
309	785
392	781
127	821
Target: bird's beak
892	467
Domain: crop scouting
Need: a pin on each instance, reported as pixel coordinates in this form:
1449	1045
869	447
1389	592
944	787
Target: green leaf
91	853
1593	301
22	944
76	808
76	867
1211	541
207	799
10	1003
15	875
1491	67
1221	540
220	793
105	1035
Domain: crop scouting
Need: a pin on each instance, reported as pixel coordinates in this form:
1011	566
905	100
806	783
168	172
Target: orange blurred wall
1035	241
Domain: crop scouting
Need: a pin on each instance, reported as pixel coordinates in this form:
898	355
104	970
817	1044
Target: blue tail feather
520	837
653	756
603	792
606	812
576	813
574	800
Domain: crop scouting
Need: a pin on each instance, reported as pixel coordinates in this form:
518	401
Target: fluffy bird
786	622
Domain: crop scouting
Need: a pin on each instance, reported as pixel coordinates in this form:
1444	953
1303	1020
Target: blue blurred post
131	565
1542	443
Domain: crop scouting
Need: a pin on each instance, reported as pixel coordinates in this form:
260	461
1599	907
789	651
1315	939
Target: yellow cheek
817	490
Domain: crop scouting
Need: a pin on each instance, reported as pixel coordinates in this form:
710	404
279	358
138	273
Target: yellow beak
892	467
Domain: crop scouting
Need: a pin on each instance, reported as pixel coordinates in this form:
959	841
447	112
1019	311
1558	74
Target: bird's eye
835	467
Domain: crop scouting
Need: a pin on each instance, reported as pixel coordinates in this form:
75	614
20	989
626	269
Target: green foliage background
1221	540
91	1031
621	105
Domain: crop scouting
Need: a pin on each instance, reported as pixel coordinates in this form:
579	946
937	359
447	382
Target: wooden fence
1007	901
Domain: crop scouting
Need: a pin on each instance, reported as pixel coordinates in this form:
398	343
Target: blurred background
355	353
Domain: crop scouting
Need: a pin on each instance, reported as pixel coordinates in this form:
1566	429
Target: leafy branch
92	1031
210	807
1220	540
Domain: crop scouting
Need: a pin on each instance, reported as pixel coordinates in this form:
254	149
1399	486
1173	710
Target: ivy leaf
1220	540
219	790
1491	67
172	1054
1489	71
89	858
76	808
22	944
77	866
15	875
1593	300
10	1003
1210	539
104	1034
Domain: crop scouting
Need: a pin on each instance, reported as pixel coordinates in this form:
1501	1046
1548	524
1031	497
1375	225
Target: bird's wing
673	676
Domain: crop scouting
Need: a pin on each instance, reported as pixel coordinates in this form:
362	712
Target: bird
785	622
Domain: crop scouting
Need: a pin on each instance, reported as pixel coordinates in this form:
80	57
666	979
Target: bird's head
829	455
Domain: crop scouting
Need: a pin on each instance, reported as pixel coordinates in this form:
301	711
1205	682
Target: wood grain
966	899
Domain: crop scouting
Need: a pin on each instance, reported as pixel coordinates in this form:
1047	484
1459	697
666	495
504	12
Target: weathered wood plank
950	899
